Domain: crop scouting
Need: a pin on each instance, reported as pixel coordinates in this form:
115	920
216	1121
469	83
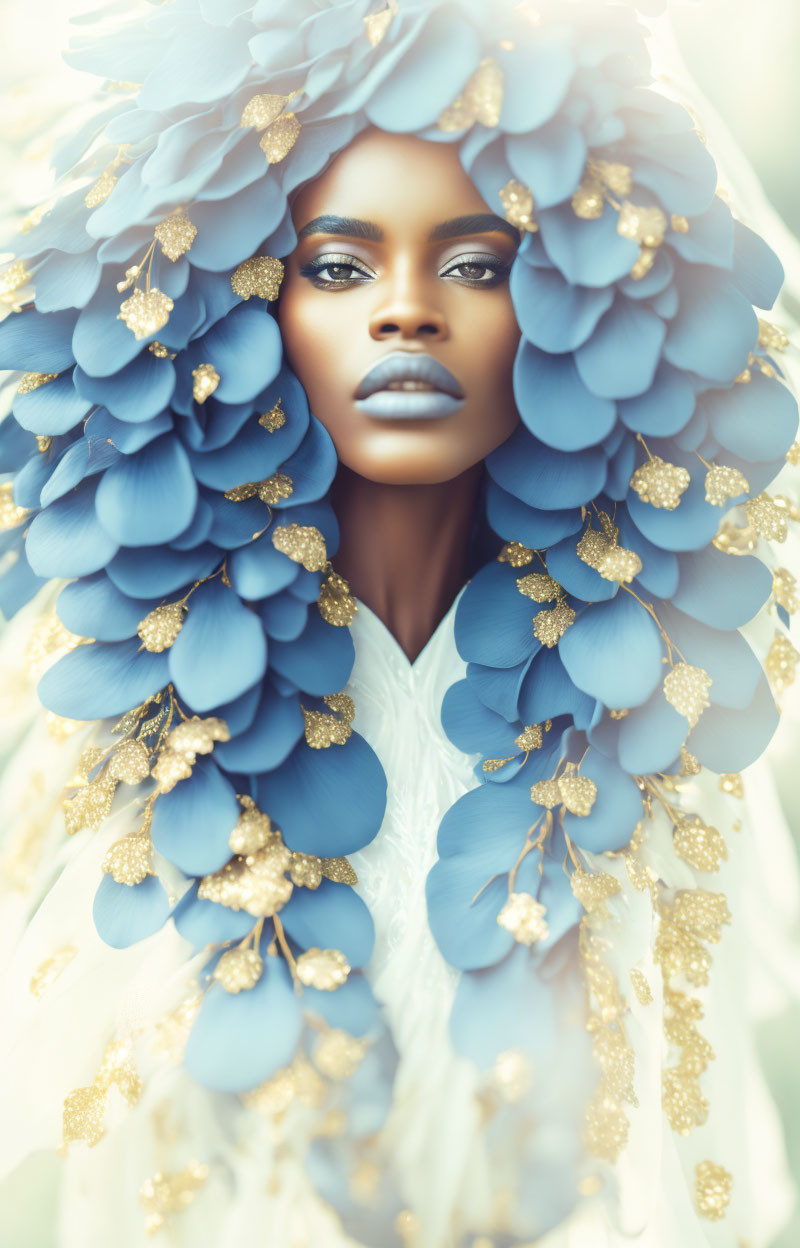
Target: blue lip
409	405
408	366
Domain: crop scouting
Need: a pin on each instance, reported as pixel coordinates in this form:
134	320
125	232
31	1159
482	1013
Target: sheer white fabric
54	1043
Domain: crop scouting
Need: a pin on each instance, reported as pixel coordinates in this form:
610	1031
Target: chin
407	467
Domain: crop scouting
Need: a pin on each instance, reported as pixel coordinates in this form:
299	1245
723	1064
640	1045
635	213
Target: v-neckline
414	665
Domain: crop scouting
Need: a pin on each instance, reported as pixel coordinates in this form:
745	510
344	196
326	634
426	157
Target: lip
375	399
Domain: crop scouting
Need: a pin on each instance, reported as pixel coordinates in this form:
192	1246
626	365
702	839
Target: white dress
53	1043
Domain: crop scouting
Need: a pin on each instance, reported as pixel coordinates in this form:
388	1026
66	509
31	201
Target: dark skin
428	275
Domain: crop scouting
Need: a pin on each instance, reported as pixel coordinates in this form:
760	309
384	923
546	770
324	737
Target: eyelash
314	268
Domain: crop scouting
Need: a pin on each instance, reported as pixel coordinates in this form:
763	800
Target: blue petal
690	526
710	237
757	421
425	82
149	497
66	281
547	691
665	408
679	169
82	459
546	478
613	652
17	586
17	446
553	314
245	348
620	359
54	408
192	823
37	342
312	467
650	737
221	650
721	591
473	728
102	426
277	727
232	228
126	913
616	809
207	923
757	271
509	1005
66	539
162	570
200	63
259	569
725	740
659	574
351	1007
537	78
94	607
514	521
100	680
136	392
344	797
235	524
554	402
319	661
715	329
725	655
498	687
284	616
494	620
549	162
588	253
240	1039
102	344
332	914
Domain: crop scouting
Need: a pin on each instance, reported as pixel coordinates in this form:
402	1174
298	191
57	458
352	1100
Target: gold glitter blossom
781	662
516	554
518	205
686	688
377	24
712	1190
145	312
239	970
253	829
699	844
165	1194
550	626
337	1054
262	110
767	518
32	381
205	380
481	99
539	586
160	627
302	544
258	277
129	860
523	916
325	969
321	730
175	233
660	483
256	884
336	604
279	138
724	483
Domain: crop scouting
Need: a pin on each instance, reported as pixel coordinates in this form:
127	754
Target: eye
341	270
478	270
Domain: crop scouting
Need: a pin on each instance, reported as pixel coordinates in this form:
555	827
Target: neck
404	549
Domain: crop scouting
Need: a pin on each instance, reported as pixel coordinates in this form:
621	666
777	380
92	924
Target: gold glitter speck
159	629
518	205
712	1188
516	554
336	604
377	24
48	971
11	515
686	689
480	100
145	312
279	138
539	586
641	987
262	110
205	381
767	518
166	1194
32	381
274	419
339	870
175	233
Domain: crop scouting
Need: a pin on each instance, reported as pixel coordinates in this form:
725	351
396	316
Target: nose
407	311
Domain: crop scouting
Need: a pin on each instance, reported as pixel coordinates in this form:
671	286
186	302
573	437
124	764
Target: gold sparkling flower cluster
548	626
147	310
281	129
599	549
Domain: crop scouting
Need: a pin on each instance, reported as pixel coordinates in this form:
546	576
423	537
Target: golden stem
284	944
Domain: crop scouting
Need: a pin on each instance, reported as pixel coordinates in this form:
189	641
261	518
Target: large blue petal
665	408
537	77
200	63
554	402
126	913
729	740
221	650
588	253
473	727
509	1005
615	811
551	312
82	459
136	392
54	408
494	621
319	661
351	1007
127	438
148	497
757	271
680	170
37	342
425	82
547	691
232	228
94	607
498	687
66	281
241	1039
277	727
546	478
258	569
208	923
613	652
330	915
659	574
726	656
515	521
162	570
100	680
620	359
102	344
719	590
192	823
344	797
715	329
549	162
650	737
245	348
756	421
67	539
690	526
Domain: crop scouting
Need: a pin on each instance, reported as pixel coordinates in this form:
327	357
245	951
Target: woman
458	1038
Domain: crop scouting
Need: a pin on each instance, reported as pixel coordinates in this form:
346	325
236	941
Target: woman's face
389	263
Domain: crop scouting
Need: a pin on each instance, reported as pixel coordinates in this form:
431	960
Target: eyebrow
456	227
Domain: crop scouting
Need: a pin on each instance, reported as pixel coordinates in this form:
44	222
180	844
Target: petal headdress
162	457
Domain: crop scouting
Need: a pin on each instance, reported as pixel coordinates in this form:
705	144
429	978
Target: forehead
399	181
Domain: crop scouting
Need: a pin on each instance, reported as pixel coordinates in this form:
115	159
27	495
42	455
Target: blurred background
744	59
